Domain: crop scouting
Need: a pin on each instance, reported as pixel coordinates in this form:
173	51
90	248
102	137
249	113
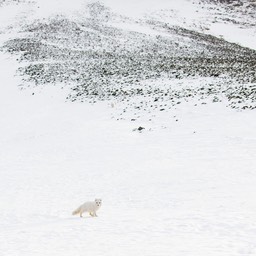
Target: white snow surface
183	186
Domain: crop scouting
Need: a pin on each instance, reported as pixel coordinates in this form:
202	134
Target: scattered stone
140	129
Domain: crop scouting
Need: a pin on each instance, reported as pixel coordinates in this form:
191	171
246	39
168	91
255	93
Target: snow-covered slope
107	56
183	185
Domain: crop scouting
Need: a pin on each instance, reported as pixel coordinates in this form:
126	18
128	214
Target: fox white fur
90	207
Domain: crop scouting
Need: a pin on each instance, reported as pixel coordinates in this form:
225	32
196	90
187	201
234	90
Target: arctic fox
90	207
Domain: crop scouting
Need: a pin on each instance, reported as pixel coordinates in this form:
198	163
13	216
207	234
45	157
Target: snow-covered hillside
145	105
105	55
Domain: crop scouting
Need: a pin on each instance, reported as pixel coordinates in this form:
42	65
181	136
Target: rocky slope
158	63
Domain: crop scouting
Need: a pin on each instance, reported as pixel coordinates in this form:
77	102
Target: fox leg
93	214
81	215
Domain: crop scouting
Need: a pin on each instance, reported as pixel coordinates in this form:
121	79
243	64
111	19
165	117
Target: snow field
185	189
183	186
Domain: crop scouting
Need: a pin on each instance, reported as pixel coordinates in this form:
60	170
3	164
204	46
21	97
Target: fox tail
76	211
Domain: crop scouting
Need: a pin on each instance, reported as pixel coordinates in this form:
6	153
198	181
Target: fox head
98	202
